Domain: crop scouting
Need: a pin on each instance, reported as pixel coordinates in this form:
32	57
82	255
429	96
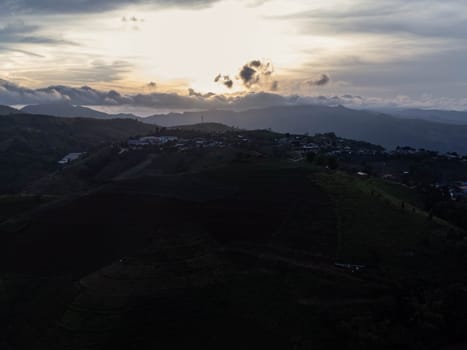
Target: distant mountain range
70	111
434	115
444	131
373	127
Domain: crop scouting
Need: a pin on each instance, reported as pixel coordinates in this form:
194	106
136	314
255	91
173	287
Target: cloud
417	17
228	82
192	92
89	6
12	94
324	80
96	71
18	32
24	52
225	80
249	76
254	73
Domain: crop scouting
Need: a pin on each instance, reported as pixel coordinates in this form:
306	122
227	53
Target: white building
71	157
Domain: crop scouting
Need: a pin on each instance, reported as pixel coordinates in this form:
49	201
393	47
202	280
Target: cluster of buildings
175	142
151	140
327	144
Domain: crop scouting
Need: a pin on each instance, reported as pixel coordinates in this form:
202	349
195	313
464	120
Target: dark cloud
12	94
324	80
89	6
192	92
253	72
224	79
249	76
228	82
255	63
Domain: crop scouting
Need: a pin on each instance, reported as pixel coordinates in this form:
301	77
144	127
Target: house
71	157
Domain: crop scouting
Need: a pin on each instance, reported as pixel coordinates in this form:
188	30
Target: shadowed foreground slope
239	256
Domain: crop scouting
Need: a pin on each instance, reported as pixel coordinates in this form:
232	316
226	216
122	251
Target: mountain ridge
374	127
66	110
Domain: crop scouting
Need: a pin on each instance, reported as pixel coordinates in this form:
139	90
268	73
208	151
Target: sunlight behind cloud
358	43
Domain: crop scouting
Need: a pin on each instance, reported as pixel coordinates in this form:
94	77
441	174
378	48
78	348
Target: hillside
376	128
228	232
249	246
31	146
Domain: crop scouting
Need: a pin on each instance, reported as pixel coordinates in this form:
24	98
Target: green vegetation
376	229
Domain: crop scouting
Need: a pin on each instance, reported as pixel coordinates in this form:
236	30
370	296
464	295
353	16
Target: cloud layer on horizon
382	49
12	94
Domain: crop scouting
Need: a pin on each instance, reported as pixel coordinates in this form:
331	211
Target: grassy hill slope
244	252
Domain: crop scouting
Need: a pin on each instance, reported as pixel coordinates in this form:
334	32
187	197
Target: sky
195	54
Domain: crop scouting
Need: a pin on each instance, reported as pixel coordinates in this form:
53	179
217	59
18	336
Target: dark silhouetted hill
31	146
